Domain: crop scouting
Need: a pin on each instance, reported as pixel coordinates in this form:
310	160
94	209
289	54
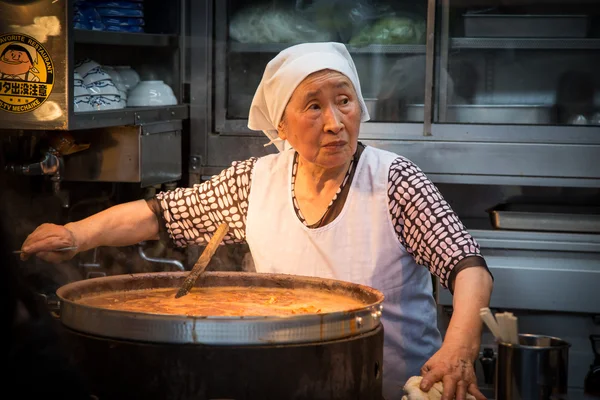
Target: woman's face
322	119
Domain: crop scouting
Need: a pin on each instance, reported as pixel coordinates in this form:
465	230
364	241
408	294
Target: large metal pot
335	355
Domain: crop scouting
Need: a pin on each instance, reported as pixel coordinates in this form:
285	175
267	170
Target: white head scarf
286	71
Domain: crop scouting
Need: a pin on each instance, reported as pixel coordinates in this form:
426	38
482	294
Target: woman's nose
333	121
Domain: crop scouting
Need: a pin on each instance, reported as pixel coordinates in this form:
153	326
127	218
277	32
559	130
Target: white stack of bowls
151	93
81	95
116	87
104	94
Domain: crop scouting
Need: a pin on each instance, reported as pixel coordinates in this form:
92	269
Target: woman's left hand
453	366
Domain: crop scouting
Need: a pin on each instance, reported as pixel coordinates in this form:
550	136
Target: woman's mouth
335	145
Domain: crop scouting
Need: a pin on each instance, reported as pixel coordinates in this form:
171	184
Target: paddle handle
203	261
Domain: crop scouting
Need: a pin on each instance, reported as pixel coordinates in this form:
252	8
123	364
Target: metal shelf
125	39
530	240
128	116
525	43
236	47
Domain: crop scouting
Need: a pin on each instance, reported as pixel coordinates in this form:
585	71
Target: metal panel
221	26
160	158
540	280
222	150
50	32
517	133
201	83
564	242
113	156
429	68
480	25
458	132
126	154
443	63
518	159
128	116
513	180
455	162
525	43
236	47
181	56
542	217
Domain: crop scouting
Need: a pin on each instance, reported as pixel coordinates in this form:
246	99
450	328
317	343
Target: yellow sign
26	73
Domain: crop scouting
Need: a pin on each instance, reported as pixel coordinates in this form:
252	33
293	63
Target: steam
48	111
41	28
20	215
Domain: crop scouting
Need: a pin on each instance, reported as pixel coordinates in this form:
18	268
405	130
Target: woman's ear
281	130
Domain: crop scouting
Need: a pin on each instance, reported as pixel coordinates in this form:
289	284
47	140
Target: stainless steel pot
217	330
125	355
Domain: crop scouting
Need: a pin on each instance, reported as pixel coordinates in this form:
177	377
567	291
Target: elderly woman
328	206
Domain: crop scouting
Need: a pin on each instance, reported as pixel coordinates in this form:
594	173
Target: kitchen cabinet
155	54
518	62
60	41
249	35
505	107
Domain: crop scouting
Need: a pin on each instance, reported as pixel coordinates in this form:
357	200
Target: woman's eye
345	101
314	107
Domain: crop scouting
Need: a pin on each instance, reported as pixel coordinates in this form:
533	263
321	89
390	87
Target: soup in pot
226	301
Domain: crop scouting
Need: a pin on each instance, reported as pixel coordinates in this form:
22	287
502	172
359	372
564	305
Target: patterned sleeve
190	215
427	226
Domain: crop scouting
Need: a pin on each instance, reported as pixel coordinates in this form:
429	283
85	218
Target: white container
82	103
129	77
102	87
106	102
114	75
95	75
84	66
80	91
121	87
77	78
151	93
78	87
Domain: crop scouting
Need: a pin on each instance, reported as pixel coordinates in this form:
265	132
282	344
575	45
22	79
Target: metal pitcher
535	369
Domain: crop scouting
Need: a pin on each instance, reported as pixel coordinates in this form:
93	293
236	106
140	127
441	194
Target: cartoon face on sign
26	73
17	62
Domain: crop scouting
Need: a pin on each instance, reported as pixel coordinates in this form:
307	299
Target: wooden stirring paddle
203	261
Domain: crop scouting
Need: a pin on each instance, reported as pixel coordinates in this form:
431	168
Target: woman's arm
120	225
473	287
432	232
187	215
453	363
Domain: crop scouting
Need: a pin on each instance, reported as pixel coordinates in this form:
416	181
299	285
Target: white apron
359	246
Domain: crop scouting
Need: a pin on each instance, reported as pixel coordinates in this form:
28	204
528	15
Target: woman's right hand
45	239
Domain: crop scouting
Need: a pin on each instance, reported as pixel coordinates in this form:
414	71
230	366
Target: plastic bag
392	30
270	24
344	18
